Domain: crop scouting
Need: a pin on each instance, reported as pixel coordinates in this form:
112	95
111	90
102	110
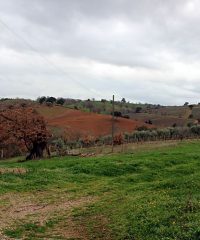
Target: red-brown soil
76	122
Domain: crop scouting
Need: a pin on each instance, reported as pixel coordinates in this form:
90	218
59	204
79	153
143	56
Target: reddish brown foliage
23	126
118	139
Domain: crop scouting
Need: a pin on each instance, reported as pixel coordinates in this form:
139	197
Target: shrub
190	124
126	116
195	129
118	139
142	128
51	99
191	106
138	109
149	122
49	104
117	114
123	100
60	101
41	100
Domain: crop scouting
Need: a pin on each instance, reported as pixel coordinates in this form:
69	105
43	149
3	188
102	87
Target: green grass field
151	194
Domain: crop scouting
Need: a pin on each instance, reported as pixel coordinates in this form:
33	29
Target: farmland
75	123
99	120
79	123
161	116
148	194
91	117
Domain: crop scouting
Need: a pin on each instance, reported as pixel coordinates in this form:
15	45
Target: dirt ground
15	208
84	123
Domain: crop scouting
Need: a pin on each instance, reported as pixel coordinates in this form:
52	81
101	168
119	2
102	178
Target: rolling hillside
93	117
78	123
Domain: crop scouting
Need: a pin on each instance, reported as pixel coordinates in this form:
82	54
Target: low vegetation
151	194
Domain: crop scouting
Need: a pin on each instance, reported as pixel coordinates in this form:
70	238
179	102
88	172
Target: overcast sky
143	50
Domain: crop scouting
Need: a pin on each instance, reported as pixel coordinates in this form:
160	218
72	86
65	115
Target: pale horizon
144	51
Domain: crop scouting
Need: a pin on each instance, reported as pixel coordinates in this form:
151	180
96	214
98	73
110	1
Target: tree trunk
37	150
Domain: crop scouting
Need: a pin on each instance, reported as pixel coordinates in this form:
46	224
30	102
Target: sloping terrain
160	116
59	117
168	116
76	122
148	194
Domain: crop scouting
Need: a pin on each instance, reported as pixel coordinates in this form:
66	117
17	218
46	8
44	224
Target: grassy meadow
148	194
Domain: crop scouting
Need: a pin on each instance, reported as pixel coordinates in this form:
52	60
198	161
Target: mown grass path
147	195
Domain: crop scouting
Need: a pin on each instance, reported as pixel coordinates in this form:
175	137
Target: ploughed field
168	116
148	194
80	123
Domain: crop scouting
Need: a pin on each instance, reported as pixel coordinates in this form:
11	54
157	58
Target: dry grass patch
13	170
27	208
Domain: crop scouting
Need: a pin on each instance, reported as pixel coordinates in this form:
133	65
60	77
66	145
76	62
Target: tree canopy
24	127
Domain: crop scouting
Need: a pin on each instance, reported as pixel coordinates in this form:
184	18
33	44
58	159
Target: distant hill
160	116
157	115
77	123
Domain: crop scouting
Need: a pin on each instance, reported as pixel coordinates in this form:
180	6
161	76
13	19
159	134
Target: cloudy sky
143	50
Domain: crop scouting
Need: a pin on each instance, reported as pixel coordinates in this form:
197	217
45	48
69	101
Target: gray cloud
143	50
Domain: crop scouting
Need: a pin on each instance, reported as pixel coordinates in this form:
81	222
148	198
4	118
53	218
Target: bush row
177	133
